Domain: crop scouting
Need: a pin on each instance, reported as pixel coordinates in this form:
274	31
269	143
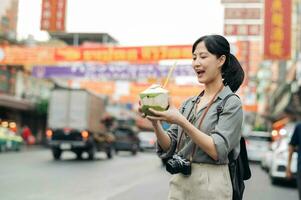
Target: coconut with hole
154	97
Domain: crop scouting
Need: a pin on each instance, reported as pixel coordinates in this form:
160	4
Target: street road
33	175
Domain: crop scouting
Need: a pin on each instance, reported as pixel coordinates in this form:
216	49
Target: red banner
48	55
277	29
130	54
53	15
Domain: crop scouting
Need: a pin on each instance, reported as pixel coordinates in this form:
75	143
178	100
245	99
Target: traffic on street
33	174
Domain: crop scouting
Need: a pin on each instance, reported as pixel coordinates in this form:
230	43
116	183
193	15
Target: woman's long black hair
232	72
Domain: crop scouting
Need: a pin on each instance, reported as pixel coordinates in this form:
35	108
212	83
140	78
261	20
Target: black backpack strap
243	155
220	107
244	158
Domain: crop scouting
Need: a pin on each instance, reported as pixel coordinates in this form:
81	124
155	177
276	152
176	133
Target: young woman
206	141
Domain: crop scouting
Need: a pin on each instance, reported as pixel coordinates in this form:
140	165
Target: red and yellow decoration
52	55
277	29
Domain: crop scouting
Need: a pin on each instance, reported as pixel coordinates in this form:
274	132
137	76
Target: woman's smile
200	73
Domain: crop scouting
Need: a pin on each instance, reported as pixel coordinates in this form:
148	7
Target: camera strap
202	119
188	116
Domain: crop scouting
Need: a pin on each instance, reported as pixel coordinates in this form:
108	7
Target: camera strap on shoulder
202	119
188	116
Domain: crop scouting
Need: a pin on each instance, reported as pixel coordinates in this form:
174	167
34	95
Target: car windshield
126	122
123	132
258	138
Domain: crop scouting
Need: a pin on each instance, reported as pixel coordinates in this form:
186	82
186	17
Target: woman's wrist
155	123
181	121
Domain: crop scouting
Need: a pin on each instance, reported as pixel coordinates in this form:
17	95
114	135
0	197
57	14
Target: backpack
239	168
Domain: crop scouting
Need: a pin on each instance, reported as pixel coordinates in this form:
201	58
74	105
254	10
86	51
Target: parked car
280	158
147	140
266	160
279	164
126	139
14	141
257	144
9	140
3	139
285	132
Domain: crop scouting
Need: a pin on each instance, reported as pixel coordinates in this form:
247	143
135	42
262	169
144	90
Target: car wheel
274	180
109	153
2	148
134	149
17	147
134	152
91	153
56	154
79	155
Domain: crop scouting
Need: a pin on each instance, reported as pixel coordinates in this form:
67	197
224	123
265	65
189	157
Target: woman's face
206	65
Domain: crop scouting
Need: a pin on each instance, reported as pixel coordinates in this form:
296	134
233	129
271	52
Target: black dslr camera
178	164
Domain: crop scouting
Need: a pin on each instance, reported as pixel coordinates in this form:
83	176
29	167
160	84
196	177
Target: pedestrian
105	134
27	135
201	139
293	146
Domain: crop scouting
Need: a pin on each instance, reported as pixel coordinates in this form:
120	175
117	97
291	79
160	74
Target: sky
132	22
4	5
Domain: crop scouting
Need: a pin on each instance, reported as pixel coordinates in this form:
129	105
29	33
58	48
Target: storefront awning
15	103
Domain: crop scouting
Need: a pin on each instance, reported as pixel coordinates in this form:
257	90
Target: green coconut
154	97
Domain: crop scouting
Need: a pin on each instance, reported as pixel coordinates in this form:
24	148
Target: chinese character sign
50	55
109	71
53	15
277	29
242	29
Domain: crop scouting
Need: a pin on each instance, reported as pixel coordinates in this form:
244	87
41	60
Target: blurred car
3	139
147	140
9	140
279	139
257	144
280	159
279	163
14	142
266	160
126	139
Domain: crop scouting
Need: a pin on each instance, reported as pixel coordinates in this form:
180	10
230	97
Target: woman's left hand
172	115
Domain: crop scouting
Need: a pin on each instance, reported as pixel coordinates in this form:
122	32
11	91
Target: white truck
73	123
